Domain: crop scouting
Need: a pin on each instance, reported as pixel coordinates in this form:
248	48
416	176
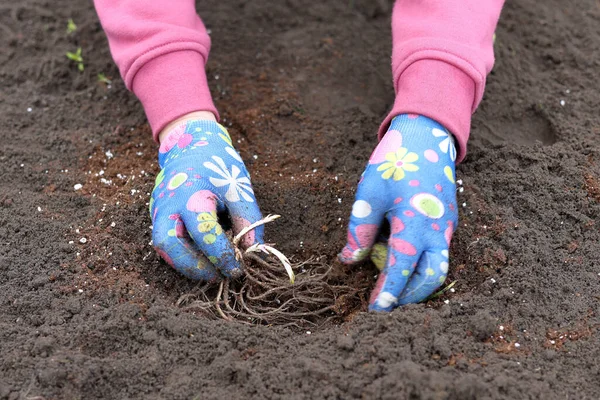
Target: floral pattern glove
410	181
201	175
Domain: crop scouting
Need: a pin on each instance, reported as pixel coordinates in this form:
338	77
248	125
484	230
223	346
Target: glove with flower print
410	181
201	176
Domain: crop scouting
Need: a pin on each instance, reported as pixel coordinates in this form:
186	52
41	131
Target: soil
302	87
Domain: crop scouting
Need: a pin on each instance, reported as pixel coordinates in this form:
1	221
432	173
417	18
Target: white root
257	247
265	220
272	250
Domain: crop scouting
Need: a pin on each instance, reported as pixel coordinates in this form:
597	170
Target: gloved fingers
202	223
368	213
401	260
233	185
243	214
392	281
174	245
429	275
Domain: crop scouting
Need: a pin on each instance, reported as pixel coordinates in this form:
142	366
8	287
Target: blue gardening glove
201	175
410	181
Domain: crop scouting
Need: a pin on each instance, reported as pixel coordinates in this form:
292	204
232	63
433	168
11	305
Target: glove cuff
189	136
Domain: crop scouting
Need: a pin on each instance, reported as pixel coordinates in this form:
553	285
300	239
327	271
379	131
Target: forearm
161	51
442	53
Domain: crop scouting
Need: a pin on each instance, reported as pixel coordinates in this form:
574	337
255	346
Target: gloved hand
410	181
201	175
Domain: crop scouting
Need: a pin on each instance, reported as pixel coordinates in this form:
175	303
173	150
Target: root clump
265	295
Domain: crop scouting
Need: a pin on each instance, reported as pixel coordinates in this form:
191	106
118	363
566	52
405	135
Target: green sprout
103	79
71	27
76	57
440	292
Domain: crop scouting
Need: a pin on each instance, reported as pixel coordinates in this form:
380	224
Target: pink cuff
437	90
172	85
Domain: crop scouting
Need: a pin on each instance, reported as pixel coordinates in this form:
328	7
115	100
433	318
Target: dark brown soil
302	86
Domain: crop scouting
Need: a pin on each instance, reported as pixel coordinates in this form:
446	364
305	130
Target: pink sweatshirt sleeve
442	53
160	47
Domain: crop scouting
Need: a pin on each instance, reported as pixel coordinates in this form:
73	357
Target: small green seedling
76	57
441	292
71	27
103	79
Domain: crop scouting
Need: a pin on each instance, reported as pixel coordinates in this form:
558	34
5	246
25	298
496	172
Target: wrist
194	138
425	136
195	115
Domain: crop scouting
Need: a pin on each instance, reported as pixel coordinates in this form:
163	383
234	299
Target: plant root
266	297
270	294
